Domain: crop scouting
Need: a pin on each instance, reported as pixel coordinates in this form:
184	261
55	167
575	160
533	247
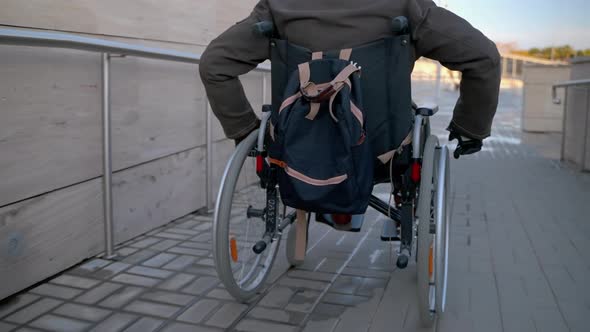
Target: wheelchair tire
425	277
229	212
443	226
433	249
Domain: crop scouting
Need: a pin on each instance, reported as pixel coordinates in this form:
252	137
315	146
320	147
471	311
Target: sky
528	23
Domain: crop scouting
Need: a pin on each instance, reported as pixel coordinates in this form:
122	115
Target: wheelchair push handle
400	25
264	28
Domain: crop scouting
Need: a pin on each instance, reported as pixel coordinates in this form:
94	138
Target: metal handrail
70	41
21	37
566	85
556	100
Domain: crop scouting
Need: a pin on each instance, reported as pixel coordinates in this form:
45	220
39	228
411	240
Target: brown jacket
335	24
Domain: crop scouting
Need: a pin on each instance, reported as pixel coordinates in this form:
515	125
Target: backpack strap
317	55
345	54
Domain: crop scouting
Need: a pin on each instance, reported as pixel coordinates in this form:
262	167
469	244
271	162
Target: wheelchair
250	219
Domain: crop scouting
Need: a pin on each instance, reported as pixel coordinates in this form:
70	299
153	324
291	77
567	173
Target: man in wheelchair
316	24
308	39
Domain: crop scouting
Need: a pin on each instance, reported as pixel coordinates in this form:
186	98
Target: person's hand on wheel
466	145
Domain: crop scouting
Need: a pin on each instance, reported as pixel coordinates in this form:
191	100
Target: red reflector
259	162
342	219
416	172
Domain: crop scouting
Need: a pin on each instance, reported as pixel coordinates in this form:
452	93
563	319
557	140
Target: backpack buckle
311	93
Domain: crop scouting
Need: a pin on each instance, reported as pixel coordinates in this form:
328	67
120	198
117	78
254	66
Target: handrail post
107	159
564	125
584	145
209	159
264	88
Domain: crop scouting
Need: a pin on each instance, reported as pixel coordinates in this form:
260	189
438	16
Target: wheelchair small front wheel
243	248
433	231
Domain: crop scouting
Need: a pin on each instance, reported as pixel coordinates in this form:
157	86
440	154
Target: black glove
466	145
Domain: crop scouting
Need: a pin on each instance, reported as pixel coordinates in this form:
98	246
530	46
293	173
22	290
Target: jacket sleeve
441	35
235	52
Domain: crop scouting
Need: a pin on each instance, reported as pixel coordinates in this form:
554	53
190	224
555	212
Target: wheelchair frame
429	160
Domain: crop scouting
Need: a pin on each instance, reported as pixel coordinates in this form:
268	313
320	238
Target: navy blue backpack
318	138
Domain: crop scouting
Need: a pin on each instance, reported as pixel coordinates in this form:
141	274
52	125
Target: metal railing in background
108	49
556	100
513	64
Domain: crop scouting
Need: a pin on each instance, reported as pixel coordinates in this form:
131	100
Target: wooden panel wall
183	21
50	132
47	234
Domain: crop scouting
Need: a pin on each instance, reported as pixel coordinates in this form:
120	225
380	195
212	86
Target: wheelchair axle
255	213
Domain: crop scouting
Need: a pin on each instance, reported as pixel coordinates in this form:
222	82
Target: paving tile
152	308
114	323
277	315
318	323
142	244
140	256
182	327
189	251
201	285
94	264
82	312
206	262
196	245
177	282
198	311
60	292
182	231
311	275
202	270
180	263
145	324
252	325
302	283
168	297
15	302
344	299
226	315
366	273
74	281
56	323
371	287
203	226
32	311
189	224
7	327
303	301
159	260
219	293
278	297
329	310
149	272
110	270
173	236
126	251
346	284
121	297
136	280
98	293
27	329
204	237
164	245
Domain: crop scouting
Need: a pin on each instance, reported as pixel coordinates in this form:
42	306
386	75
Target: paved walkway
520	261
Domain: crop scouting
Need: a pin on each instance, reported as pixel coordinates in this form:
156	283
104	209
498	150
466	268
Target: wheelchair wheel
433	231
240	223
